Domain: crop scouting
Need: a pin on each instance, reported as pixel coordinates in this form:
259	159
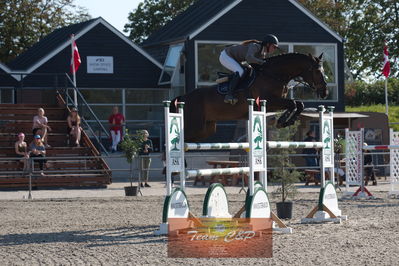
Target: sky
113	11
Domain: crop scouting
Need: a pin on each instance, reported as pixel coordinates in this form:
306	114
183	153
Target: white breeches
230	63
116	138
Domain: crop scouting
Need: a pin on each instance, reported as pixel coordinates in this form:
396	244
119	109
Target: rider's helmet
270	39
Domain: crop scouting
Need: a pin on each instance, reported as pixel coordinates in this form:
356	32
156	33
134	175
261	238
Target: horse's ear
321	56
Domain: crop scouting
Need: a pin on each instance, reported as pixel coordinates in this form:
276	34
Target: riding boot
229	98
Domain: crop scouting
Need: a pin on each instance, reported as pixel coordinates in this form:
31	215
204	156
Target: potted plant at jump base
283	175
131	146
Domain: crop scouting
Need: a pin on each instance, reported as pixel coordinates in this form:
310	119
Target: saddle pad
222	88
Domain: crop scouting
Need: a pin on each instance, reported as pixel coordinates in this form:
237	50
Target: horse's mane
288	56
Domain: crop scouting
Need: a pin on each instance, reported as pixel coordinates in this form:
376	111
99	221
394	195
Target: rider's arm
252	50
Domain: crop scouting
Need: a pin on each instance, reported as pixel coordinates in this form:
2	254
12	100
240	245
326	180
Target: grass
393	112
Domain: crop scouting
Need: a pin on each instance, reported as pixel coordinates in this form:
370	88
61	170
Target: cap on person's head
37	137
21	134
74	109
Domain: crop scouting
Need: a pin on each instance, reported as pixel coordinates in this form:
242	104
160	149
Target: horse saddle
245	82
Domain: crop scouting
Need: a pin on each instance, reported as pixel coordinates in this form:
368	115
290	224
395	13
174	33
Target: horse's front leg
283	104
299	108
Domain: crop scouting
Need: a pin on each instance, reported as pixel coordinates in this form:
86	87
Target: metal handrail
88	106
89	127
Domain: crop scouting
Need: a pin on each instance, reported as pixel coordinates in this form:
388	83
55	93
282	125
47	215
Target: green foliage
360	93
283	175
393	115
365	25
24	22
151	15
132	144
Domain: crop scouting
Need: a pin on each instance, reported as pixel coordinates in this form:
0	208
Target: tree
151	15
365	25
25	22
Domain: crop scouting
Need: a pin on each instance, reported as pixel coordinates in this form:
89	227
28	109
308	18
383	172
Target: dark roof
49	43
188	21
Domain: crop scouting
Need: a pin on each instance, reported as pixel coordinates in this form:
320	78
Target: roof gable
59	39
204	13
190	20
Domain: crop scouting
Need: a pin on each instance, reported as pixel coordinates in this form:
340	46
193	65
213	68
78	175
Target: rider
251	51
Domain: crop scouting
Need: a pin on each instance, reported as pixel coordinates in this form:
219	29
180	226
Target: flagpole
386	96
75	94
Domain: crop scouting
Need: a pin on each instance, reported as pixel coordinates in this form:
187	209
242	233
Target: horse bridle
315	87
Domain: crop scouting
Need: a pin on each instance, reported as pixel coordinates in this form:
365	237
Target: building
114	72
179	57
190	44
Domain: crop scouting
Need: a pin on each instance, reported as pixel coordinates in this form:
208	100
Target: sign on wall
100	64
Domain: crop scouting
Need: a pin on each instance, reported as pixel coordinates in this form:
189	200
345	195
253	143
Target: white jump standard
327	209
354	160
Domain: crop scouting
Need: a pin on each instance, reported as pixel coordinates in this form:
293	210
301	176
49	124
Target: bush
359	93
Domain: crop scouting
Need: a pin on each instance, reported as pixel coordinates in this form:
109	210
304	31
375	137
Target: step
33	111
56	140
52	152
28	105
72	165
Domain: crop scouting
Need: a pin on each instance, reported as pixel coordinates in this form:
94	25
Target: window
208	61
171	64
329	65
207	65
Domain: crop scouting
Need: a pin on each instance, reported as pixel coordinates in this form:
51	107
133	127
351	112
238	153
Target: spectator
74	128
40	126
38	150
21	149
116	121
369	167
145	159
311	161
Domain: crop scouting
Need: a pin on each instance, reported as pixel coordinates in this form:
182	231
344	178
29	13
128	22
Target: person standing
311	153
144	153
116	121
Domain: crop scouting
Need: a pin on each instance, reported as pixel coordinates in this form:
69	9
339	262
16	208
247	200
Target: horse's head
314	76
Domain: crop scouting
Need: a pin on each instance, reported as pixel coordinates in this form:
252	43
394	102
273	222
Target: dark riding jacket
251	53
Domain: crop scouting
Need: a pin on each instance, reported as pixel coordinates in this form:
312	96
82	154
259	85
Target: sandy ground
102	227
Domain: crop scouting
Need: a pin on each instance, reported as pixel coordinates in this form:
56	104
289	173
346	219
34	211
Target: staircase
67	166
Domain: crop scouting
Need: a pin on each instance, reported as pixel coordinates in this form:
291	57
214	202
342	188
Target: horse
205	106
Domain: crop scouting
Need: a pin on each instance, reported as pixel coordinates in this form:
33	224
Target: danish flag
387	66
75	62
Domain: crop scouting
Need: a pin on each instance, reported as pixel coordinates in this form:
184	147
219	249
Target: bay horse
205	106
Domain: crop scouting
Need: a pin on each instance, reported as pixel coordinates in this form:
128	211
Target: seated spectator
40	126
74	128
38	149
21	149
116	121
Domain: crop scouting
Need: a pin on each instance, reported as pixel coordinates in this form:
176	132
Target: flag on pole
75	62
387	66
